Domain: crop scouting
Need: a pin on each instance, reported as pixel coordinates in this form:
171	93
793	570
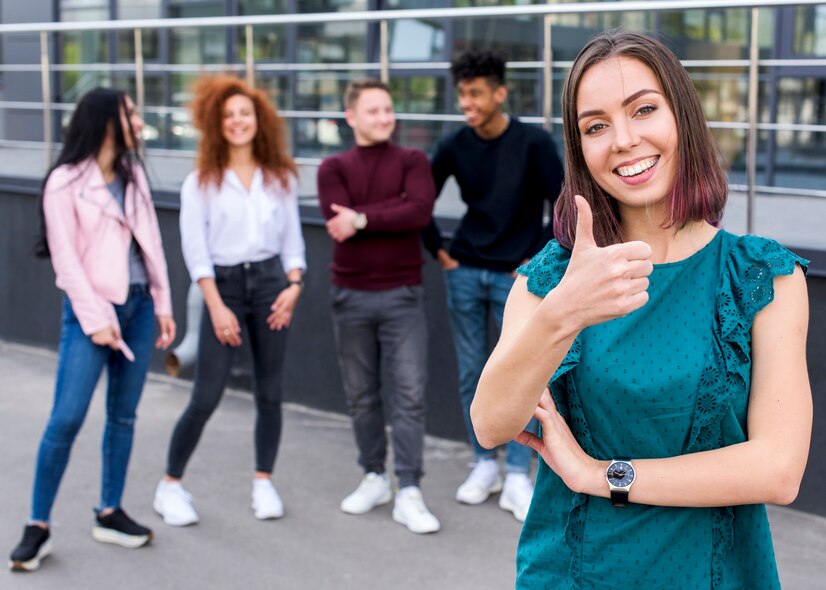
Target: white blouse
230	225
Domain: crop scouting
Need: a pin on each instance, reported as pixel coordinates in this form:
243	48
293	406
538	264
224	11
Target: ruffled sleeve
545	270
749	266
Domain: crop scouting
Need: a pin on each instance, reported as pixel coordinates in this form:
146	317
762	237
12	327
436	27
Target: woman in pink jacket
102	234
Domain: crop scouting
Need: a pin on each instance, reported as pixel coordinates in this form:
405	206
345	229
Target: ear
350	117
500	95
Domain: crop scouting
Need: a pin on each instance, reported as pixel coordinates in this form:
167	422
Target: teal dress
669	379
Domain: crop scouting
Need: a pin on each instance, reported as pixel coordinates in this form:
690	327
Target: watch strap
619	498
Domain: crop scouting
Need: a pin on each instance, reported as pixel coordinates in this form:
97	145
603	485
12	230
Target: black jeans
384	334
249	290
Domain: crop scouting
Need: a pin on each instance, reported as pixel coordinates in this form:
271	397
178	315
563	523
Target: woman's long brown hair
700	188
268	147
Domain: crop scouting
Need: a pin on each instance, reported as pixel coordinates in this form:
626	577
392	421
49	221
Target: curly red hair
268	147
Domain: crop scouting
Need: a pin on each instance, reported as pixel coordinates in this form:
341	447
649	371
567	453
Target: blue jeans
472	295
79	365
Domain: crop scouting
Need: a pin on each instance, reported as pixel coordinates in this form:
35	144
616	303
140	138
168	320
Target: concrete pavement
314	546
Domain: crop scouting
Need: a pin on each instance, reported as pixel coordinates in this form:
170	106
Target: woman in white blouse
242	242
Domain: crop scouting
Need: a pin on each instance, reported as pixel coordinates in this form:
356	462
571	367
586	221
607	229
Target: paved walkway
314	546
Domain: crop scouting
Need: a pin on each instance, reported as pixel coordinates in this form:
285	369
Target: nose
464	102
625	136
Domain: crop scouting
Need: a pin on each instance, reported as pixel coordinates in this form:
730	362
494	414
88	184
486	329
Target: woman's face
129	116
239	124
628	132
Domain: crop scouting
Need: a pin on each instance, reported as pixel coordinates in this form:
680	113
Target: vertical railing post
751	146
250	57
46	85
384	36
548	73
140	88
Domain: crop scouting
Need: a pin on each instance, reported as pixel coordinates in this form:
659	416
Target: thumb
336	207
584	225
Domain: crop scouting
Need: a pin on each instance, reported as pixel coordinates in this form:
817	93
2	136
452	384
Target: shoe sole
494	489
172	522
399	519
34	563
267	515
104	535
508	506
380	502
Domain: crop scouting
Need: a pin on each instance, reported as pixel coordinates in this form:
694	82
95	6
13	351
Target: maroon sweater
394	187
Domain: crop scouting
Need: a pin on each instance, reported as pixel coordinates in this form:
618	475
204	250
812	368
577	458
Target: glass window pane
810	31
197	46
416	40
138	9
269	42
418	94
516	38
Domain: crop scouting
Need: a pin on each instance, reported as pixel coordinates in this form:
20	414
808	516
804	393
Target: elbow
786	482
786	489
484	429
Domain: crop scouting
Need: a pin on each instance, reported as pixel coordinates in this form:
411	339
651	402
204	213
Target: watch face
620	474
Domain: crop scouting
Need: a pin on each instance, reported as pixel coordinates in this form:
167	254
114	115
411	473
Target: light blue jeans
473	294
79	365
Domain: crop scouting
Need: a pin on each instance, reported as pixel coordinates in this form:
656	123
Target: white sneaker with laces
411	511
483	481
174	503
266	503
516	495
374	490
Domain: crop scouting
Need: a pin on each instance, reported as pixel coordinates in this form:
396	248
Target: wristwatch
360	221
620	475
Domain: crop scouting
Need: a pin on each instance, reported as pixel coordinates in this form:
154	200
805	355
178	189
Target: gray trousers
381	337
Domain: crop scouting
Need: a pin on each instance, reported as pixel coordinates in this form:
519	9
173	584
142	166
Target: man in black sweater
506	171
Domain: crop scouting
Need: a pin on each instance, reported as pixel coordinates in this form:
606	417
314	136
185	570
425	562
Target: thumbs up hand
601	284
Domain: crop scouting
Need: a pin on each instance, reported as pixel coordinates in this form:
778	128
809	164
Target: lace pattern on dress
746	287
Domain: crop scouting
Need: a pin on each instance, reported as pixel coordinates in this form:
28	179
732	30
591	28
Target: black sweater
504	182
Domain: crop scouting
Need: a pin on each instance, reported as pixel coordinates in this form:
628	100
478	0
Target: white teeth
637	168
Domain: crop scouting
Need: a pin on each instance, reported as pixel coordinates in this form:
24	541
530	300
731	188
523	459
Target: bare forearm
518	371
752	472
212	297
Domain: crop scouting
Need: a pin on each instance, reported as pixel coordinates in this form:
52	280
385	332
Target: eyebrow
625	103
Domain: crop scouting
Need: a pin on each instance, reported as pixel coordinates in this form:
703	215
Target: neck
106	161
241	157
493	127
363	142
667	244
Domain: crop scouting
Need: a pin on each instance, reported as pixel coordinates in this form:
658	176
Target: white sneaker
174	503
410	510
516	495
374	490
483	481
265	500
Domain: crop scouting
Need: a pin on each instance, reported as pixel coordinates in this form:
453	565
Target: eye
594	128
646	109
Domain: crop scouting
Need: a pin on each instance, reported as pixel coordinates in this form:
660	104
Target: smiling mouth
638	168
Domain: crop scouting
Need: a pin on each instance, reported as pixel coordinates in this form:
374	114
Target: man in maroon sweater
376	197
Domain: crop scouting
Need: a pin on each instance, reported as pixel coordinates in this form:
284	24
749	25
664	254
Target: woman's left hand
283	307
559	448
166	327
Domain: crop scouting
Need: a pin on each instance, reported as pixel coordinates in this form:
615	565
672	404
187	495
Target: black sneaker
121	530
31	550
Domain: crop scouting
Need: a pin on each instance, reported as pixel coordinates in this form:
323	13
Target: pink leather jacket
89	237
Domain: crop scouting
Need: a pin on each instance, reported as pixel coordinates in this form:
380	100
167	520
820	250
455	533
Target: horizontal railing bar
395	15
434	117
367	66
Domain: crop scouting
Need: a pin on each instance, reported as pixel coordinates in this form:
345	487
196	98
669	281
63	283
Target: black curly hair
479	63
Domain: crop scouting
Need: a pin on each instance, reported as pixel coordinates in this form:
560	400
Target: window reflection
810	31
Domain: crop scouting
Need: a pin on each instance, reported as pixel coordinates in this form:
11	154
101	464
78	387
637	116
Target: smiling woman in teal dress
664	358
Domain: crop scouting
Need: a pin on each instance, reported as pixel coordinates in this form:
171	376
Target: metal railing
548	12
